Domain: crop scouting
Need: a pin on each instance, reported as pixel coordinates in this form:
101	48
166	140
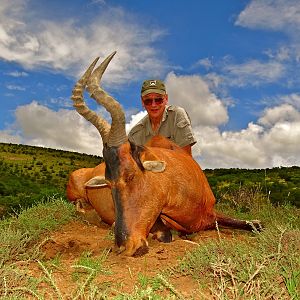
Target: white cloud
213	80
70	44
227	149
281	54
64	129
253	72
283	138
271	14
192	93
60	102
135	119
293	99
10	136
15	87
272	142
17	74
204	62
279	114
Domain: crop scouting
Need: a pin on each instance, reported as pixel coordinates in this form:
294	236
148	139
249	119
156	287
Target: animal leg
254	225
87	212
161	232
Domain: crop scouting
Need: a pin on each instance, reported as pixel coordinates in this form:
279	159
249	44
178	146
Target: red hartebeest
89	190
152	188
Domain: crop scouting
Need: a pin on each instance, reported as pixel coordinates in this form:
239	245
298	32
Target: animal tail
225	221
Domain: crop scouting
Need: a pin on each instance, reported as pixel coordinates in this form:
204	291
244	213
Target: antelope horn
79	104
117	134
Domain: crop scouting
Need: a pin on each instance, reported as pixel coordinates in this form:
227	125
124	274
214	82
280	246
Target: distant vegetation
29	174
280	185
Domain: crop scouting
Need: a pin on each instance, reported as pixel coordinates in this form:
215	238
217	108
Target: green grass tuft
18	246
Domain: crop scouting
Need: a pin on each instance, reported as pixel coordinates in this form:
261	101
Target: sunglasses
157	101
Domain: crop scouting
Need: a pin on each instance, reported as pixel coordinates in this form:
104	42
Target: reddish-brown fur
100	198
75	187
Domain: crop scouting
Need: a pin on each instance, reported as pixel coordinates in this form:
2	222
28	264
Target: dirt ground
71	240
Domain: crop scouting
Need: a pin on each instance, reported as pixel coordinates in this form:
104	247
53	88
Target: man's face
155	104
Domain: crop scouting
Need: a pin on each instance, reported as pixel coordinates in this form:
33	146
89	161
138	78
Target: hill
29	173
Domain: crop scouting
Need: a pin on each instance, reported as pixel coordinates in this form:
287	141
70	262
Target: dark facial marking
112	173
121	232
112	162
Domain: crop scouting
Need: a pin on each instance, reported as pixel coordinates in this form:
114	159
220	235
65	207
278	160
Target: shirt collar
148	124
165	114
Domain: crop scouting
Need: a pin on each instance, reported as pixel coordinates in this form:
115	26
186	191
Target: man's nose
153	103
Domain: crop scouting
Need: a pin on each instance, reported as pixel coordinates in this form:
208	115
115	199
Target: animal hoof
163	236
256	225
119	250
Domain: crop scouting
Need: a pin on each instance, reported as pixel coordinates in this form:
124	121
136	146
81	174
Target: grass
19	233
265	265
90	265
19	246
243	270
151	288
254	265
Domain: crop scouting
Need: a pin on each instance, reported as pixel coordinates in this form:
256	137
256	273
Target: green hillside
280	185
29	174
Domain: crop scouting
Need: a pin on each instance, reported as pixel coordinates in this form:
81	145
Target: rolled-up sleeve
183	134
137	135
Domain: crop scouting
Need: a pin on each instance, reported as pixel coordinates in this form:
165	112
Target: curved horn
77	97
117	135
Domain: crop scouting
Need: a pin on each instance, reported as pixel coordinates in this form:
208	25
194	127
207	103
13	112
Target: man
162	119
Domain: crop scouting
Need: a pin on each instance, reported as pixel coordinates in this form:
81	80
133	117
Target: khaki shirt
175	125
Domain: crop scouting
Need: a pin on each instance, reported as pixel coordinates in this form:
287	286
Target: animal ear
156	166
151	162
97	182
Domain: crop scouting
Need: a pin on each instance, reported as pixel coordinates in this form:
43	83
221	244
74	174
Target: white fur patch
96	182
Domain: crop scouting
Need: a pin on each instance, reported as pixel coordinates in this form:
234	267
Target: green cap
153	86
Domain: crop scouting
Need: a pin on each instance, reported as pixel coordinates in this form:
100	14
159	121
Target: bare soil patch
76	237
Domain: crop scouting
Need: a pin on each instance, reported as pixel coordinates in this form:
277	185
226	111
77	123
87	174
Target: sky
233	65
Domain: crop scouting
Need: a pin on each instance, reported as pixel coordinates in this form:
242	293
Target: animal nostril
142	250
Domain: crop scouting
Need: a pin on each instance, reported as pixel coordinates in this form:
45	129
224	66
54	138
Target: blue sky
233	65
